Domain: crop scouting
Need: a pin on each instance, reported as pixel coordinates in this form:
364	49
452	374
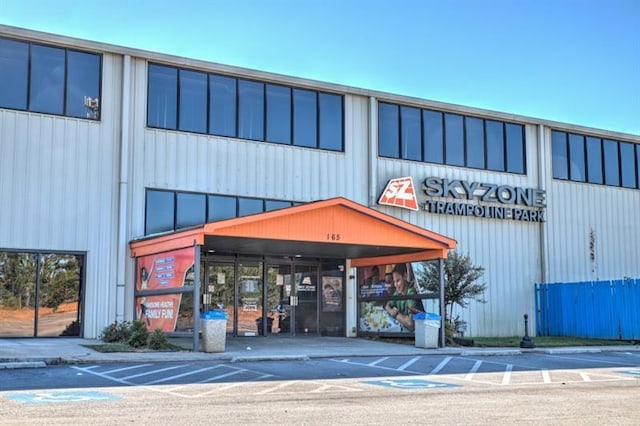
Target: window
275	205
627	165
330	121
14	63
159	211
193	101
304	118
611	162
278	114
433	136
559	155
250	110
190	209
247	206
474	128
638	163
576	158
495	145
222	114
47	79
594	160
410	133
454	136
515	147
83	72
162	102
388	130
221	207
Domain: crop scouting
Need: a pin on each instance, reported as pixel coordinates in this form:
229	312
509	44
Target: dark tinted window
515	147
576	158
454	137
495	145
388	130
47	79
247	206
611	162
222	112
193	101
221	207
304	118
275	205
162	102
594	160
627	165
474	128
190	209
278	114
14	68
159	211
433	136
250	110
83	81
330	116
410	133
559	155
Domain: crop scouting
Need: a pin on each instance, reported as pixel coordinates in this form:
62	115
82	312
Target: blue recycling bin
427	329
213	325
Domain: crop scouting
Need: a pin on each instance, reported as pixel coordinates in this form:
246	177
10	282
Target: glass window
330	121
14	67
278	114
433	136
388	130
159	211
222	112
190	209
250	110
454	140
611	162
47	79
193	101
515	148
627	165
594	160
162	102
559	155
247	206
410	133
83	81
304	118
638	163
576	158
221	207
495	145
474	128
275	205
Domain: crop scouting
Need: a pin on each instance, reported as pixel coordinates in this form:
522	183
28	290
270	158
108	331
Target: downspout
373	152
123	190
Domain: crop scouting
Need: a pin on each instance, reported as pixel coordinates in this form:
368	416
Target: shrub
139	334
116	332
157	340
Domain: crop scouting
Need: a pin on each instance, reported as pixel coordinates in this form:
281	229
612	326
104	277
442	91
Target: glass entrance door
219	291
279	312
306	295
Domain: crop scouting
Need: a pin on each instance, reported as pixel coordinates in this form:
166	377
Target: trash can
214	331
427	329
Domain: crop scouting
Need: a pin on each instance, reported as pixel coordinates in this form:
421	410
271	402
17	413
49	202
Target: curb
22	364
270	358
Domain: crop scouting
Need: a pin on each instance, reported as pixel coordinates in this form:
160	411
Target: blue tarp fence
590	309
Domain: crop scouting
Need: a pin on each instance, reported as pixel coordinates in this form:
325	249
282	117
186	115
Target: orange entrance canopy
334	228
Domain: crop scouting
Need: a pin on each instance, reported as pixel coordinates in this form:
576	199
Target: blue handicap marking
409	384
49	397
632	372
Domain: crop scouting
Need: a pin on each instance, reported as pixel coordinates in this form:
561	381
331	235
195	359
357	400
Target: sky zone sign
462	198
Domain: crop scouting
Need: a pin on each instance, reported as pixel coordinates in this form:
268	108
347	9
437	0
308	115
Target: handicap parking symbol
50	397
409	384
632	372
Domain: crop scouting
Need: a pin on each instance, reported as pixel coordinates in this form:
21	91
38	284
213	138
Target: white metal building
85	171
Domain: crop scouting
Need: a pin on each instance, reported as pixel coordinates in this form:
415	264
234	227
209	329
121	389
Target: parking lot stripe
275	388
545	375
371	364
188	373
506	379
147	373
585	377
473	370
222	376
440	366
125	368
408	363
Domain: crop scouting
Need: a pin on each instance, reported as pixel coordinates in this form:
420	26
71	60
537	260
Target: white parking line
408	363
473	370
546	378
441	365
585	377
147	373
188	373
125	368
506	379
371	364
275	388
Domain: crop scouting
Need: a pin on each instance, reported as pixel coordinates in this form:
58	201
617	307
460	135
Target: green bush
157	340
139	334
116	332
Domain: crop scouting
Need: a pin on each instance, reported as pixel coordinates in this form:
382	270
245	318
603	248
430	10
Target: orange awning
334	228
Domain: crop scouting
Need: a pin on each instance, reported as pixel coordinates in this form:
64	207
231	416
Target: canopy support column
443	321
196	298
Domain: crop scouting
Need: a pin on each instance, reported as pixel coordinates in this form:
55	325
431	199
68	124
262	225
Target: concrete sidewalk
40	352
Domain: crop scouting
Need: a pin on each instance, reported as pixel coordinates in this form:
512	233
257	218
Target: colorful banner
162	271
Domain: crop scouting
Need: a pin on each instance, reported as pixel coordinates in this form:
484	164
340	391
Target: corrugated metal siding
60	176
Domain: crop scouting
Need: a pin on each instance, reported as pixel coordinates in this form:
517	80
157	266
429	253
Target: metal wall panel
59	175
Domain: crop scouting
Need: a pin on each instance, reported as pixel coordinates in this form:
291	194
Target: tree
460	286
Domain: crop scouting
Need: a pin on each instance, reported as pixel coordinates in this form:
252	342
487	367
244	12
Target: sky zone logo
400	192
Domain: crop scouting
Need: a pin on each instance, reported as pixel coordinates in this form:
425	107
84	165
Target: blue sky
575	61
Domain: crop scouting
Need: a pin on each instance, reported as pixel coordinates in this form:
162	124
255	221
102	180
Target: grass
544	341
123	347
